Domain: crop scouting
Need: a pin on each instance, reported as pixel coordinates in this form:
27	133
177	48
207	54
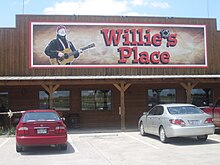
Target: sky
161	8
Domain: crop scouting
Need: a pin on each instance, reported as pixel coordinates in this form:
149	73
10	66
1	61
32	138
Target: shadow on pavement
47	150
184	141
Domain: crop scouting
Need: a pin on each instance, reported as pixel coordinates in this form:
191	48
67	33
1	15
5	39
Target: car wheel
162	134
63	147
142	132
202	138
19	148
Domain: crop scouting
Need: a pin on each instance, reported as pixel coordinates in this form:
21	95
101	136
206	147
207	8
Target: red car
40	128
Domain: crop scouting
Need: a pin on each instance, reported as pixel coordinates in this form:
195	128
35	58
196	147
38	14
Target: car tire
19	148
202	138
142	131
63	147
162	135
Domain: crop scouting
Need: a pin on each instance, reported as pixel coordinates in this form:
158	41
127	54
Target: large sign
110	45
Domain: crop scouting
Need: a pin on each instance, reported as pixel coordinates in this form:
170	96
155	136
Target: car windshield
184	110
40	116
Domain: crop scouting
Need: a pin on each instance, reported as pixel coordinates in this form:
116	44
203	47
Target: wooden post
188	87
122	88
50	89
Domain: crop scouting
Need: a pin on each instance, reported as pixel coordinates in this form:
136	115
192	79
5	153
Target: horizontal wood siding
15	48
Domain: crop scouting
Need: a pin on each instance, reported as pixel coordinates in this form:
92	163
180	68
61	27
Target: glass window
43	100
40	116
61	100
152	111
3	101
202	97
161	96
96	99
157	110
184	110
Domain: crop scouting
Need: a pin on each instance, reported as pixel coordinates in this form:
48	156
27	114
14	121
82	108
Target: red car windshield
40	116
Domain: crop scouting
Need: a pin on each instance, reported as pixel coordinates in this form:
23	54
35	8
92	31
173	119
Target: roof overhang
35	80
13	78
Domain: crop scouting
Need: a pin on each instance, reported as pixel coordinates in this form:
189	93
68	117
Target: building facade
121	66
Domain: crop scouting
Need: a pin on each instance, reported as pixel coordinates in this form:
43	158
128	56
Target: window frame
204	100
55	107
156	98
107	100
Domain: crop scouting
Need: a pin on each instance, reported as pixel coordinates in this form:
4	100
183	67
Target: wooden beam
122	87
188	86
50	90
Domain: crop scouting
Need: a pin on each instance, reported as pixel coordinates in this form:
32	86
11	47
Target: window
3	101
161	96
43	100
202	97
61	100
40	116
184	110
157	110
96	99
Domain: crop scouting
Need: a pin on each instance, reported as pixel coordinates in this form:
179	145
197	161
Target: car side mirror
211	105
63	118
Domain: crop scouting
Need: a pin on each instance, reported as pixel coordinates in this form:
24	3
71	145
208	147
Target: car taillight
22	131
60	130
177	122
208	121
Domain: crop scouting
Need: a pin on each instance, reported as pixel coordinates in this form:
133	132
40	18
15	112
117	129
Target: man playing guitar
59	48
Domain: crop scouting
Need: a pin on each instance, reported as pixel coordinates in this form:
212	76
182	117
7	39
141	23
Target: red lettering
155	57
135	51
134	37
112	36
125	53
165	58
126	37
171	40
156	39
144	58
147	37
141	38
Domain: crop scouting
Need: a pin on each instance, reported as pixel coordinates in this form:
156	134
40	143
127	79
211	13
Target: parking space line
71	143
4	142
214	139
141	141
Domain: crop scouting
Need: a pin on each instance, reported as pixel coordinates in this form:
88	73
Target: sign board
119	45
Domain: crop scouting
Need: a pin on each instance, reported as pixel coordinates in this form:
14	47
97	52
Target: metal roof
121	77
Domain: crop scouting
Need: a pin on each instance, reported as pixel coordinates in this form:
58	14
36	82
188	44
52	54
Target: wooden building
136	62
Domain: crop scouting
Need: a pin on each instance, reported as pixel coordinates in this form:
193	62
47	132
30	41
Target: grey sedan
176	120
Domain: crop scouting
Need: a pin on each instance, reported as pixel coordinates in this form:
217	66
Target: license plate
193	122
42	131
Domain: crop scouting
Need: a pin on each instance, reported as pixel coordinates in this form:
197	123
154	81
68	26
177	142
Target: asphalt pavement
114	147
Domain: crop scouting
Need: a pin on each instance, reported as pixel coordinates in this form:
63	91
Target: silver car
176	120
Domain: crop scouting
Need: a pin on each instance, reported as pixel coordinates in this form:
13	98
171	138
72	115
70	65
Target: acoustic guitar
69	55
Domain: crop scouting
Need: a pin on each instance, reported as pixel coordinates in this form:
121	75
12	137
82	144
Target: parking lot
113	147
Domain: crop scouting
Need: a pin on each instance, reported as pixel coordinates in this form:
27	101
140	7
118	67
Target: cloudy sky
164	8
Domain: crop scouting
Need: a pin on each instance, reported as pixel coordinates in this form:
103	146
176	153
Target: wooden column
188	86
50	89
122	87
